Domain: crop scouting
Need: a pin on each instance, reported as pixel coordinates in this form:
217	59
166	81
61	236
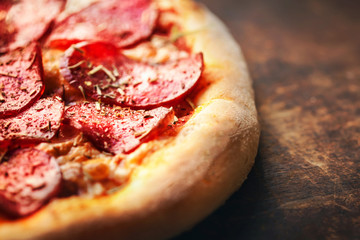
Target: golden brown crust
189	177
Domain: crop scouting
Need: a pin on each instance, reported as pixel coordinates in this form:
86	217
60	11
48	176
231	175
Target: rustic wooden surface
304	58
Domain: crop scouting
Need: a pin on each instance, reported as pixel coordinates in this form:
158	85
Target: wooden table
304	58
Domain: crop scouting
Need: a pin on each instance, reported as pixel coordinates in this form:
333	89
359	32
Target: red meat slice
38	123
27	181
116	129
25	21
103	73
21	80
121	22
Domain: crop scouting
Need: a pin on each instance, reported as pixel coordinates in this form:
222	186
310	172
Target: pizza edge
188	178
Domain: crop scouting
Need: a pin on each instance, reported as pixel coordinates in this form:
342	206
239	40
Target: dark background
304	58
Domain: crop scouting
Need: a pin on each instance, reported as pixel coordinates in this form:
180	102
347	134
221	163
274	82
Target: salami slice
27	181
38	123
103	73
116	129
26	21
21	80
122	22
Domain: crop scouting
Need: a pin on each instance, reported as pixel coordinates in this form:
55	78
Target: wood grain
304	58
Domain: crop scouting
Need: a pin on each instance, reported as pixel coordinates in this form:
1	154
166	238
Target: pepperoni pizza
129	119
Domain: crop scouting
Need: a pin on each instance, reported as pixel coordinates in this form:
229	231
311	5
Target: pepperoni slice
24	21
38	123
103	73
122	22
117	129
21	80
27	181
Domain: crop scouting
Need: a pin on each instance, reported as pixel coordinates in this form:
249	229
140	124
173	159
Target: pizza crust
189	177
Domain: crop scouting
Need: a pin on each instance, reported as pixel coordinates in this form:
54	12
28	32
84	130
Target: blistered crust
188	178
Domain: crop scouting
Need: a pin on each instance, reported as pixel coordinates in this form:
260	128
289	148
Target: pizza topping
38	123
28	180
116	129
104	73
96	169
24	21
159	49
21	80
123	22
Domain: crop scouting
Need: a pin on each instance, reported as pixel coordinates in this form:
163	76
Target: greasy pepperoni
27	181
21	80
122	22
24	21
117	129
103	73
38	123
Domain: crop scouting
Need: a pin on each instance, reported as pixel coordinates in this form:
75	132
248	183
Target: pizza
119	119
